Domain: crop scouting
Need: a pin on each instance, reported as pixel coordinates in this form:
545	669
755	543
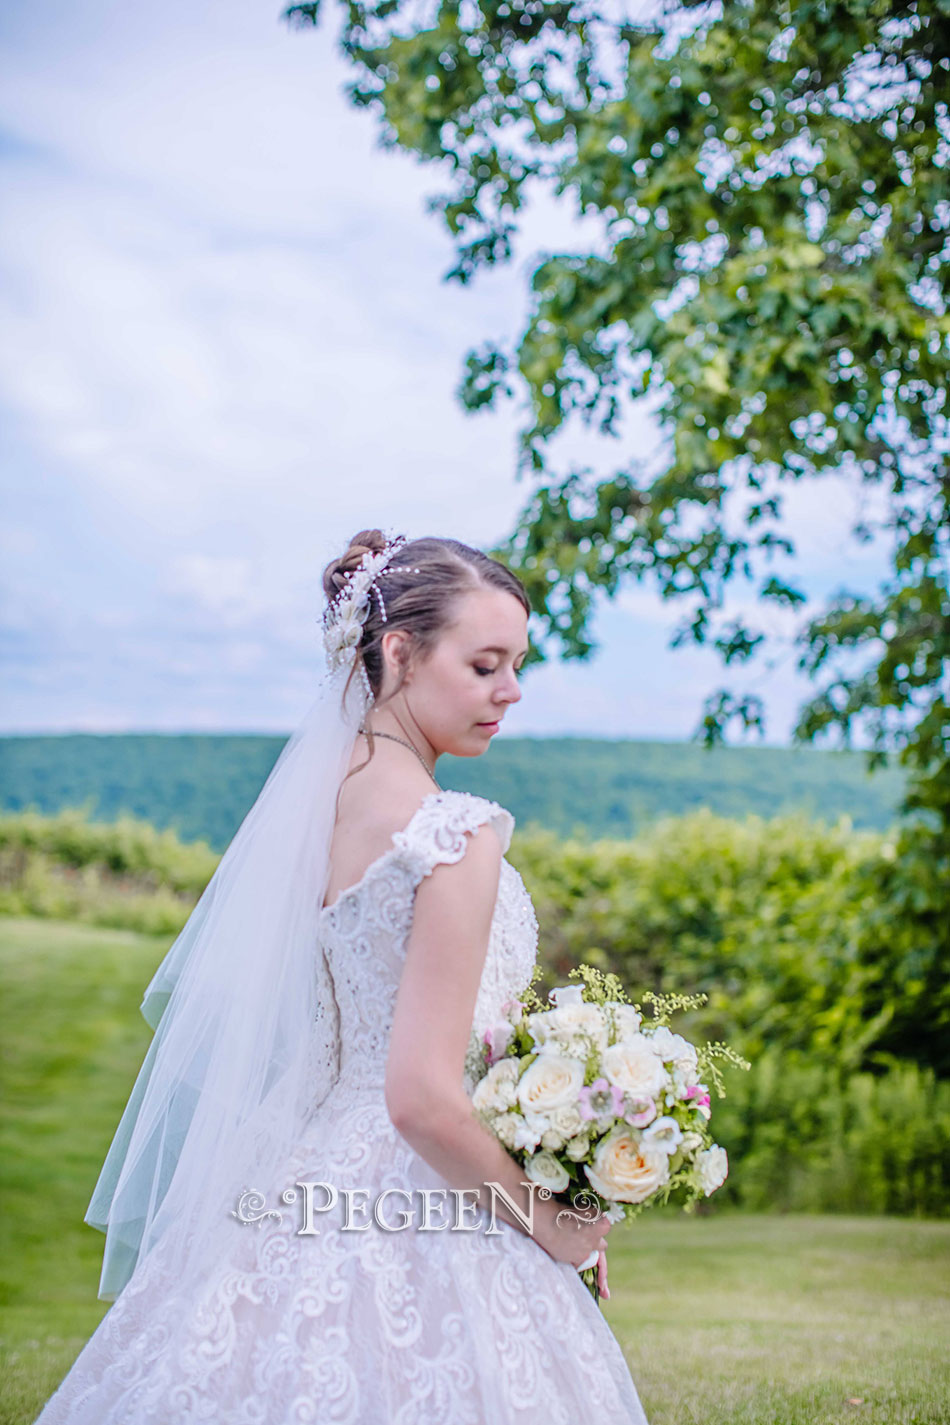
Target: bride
305	1221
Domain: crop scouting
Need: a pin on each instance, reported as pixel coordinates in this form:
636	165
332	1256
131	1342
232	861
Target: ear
395	645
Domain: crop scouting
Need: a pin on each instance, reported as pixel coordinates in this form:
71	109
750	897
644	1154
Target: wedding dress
366	1326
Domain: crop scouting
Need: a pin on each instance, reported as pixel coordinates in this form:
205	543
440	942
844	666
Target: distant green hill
203	784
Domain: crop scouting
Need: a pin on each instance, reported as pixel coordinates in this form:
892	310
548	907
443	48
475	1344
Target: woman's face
458	696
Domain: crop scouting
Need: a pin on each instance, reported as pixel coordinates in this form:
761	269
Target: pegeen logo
467	1216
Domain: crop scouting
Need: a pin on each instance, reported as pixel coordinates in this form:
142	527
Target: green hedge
810	1137
123	874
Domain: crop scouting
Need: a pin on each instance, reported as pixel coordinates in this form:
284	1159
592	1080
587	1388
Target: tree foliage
767	189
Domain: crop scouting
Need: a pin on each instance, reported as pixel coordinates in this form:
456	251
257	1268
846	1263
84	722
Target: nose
512	690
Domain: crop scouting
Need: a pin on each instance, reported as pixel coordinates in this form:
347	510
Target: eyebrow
493	648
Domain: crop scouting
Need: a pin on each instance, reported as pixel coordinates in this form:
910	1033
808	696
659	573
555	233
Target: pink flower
642	1113
600	1100
497	1039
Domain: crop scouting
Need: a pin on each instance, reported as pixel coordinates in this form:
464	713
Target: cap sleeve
436	834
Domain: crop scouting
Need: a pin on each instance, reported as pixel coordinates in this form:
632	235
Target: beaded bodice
365	932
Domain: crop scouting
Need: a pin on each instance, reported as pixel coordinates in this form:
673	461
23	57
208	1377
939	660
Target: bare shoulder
381	794
373	804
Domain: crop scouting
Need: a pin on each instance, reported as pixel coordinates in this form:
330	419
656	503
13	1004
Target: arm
425	1096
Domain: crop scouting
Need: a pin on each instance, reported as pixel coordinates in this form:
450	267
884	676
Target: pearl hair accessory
345	614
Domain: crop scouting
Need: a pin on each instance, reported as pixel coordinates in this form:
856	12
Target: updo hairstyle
423	603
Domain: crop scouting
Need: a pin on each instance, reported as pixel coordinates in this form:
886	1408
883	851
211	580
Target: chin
474	745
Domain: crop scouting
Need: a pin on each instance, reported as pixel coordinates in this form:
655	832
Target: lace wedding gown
368	1327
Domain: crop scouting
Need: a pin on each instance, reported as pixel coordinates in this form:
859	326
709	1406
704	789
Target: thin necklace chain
393	738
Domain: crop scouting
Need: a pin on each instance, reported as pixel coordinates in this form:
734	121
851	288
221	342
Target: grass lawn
726	1319
735	1319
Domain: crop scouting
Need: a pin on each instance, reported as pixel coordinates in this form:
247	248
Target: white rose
553	1081
543	1168
626	1020
633	1067
567	1120
664	1133
498	1089
712	1168
626	1170
552	1140
691	1141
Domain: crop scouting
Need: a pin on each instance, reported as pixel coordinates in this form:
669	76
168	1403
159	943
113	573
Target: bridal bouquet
604	1111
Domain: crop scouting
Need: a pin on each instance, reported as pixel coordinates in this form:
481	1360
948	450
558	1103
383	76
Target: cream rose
553	1081
543	1168
578	1148
634	1067
626	1170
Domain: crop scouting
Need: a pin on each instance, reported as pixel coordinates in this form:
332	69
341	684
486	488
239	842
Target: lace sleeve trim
437	832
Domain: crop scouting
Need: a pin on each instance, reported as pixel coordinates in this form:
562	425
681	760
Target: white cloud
228	346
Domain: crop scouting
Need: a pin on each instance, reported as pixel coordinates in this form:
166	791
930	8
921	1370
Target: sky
227	346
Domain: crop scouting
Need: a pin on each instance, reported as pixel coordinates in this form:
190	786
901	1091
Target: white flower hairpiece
346	613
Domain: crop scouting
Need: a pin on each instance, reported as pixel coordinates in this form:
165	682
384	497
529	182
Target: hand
572	1241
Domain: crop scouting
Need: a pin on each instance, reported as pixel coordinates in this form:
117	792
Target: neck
391	728
394	726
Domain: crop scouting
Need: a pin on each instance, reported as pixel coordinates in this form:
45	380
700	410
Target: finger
602	1276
